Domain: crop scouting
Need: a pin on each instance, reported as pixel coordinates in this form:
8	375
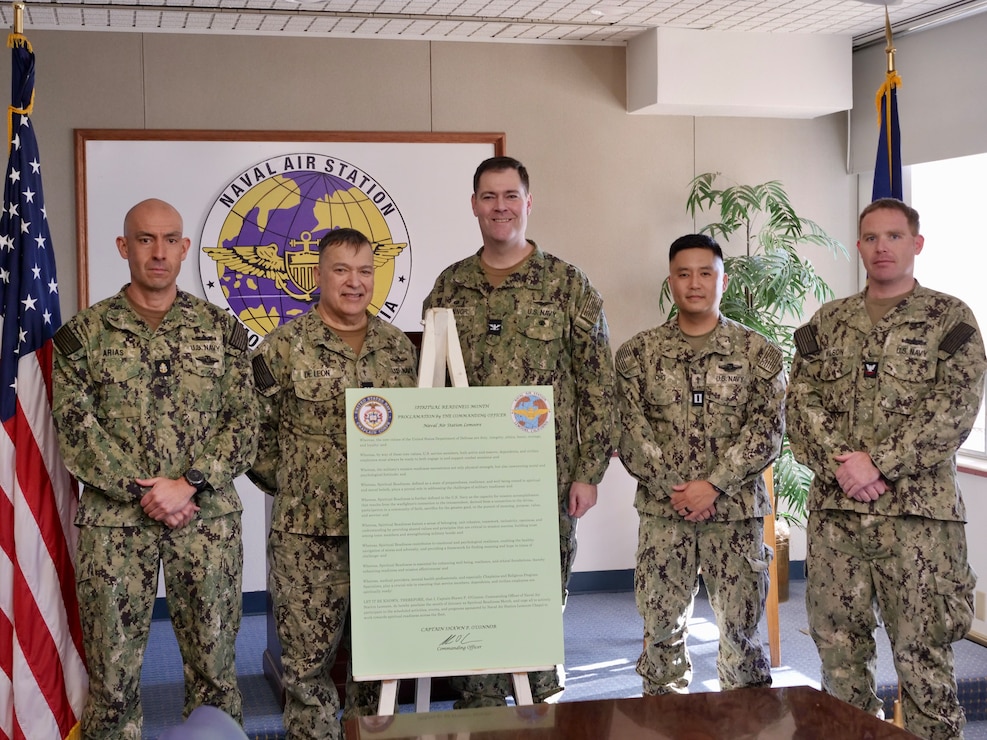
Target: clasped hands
859	477
694	500
169	501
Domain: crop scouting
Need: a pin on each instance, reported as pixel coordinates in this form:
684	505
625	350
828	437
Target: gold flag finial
19	18
889	48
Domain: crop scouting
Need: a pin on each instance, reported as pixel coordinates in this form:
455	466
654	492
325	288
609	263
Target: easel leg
423	693
522	689
388	697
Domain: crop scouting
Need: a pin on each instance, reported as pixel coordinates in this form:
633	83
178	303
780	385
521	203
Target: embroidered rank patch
870	369
495	327
162	368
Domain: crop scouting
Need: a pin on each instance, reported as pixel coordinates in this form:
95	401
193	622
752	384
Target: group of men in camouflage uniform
157	413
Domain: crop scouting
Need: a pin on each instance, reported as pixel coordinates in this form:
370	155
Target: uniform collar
322	334
721	342
531	274
122	315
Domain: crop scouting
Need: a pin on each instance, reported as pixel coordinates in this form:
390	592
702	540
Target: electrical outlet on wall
980	605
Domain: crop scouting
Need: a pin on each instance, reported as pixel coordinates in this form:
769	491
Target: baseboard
597	581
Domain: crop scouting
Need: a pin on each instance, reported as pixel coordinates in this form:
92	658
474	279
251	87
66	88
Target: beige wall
608	187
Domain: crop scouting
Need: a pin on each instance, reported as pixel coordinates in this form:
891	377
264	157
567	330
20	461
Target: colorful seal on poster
373	415
530	412
259	246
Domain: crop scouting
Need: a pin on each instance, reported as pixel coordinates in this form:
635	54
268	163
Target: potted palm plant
769	284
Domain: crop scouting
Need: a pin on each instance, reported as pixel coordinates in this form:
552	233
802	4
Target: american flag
43	682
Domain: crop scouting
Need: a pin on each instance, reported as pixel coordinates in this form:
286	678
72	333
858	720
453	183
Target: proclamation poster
454	531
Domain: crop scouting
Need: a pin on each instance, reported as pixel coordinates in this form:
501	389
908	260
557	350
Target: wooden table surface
796	713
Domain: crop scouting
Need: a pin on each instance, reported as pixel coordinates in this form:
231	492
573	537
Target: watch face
195	477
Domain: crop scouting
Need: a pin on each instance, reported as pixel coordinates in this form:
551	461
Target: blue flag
887	170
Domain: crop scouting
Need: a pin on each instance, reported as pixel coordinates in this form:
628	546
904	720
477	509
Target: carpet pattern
602	642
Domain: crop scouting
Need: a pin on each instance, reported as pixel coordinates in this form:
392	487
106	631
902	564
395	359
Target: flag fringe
18	39
891	82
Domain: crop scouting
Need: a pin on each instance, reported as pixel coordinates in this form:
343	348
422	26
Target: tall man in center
701	402
528	318
302	371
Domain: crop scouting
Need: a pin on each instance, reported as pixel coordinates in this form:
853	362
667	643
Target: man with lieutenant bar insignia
701	403
886	385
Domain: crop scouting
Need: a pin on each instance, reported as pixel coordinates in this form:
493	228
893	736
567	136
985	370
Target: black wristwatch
196	479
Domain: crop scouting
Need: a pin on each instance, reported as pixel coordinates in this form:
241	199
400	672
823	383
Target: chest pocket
119	385
835	383
202	372
905	383
319	406
543	345
725	406
663	404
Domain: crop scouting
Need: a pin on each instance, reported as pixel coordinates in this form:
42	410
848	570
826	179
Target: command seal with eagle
259	245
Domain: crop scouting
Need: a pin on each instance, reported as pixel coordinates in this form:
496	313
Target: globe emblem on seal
259	247
530	412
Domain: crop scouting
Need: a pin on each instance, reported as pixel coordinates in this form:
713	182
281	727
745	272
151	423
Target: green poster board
454	531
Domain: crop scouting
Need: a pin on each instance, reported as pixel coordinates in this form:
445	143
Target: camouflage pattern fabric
310	587
911	416
734	562
916	569
544	325
302	371
131	403
715	415
548	329
117	572
906	390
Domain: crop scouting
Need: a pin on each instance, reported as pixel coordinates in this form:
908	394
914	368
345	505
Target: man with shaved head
155	410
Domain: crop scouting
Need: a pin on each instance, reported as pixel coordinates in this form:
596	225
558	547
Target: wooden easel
441	351
771	606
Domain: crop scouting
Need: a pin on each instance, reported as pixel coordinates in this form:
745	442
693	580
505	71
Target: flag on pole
887	170
43	681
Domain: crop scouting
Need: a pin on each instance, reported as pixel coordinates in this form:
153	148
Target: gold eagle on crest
295	267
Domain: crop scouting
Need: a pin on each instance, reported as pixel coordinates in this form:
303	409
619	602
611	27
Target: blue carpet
602	642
